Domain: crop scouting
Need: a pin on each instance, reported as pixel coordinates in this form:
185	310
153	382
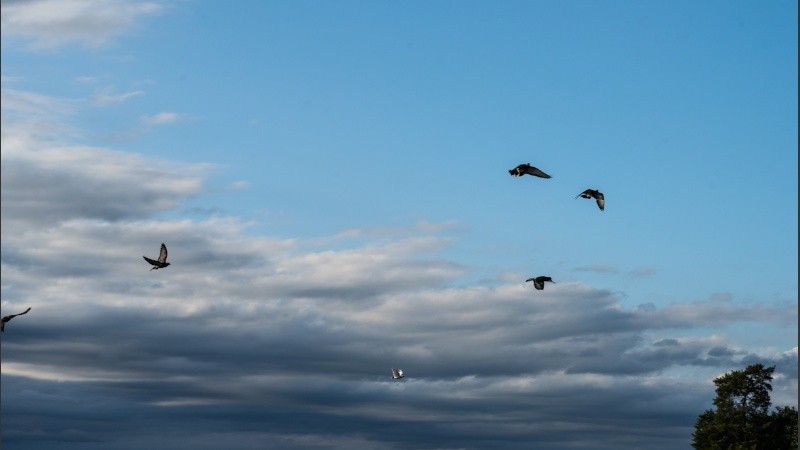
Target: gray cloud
71	182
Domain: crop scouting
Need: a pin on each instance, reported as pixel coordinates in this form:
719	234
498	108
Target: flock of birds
528	169
397	374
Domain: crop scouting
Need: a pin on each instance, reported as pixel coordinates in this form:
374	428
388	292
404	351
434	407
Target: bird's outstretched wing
530	170
162	257
7	318
538	283
151	261
601	201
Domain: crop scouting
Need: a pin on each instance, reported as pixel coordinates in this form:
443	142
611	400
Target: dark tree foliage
742	420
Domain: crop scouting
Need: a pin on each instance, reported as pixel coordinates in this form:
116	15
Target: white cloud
17	103
49	24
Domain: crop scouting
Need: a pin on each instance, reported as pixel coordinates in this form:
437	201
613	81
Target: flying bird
527	168
162	259
397	373
7	318
538	282
597	195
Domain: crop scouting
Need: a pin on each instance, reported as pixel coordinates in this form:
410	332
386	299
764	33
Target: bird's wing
538	284
601	202
162	257
7	318
536	172
400	372
151	261
530	279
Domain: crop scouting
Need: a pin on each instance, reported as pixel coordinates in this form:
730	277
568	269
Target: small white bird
397	373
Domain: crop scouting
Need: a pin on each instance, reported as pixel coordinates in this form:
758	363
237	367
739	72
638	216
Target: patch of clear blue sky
357	114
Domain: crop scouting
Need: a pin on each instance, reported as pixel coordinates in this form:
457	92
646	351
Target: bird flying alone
527	168
162	259
397	373
597	195
538	282
7	318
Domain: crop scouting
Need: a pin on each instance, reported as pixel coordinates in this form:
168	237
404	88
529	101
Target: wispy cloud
597	268
18	103
164	118
239	185
642	272
106	97
49	24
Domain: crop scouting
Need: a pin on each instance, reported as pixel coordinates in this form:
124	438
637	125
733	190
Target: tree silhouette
742	419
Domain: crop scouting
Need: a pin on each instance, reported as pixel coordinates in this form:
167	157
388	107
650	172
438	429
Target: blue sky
331	179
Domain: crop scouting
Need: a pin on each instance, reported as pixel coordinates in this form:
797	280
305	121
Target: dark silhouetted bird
523	169
397	374
597	195
7	318
538	282
162	259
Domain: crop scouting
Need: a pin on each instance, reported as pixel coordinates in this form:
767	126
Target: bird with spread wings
162	259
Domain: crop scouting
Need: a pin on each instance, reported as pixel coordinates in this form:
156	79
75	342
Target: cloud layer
252	341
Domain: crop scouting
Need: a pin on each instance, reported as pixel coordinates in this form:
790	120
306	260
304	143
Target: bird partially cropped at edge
7	318
597	195
397	373
527	168
538	282
162	259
